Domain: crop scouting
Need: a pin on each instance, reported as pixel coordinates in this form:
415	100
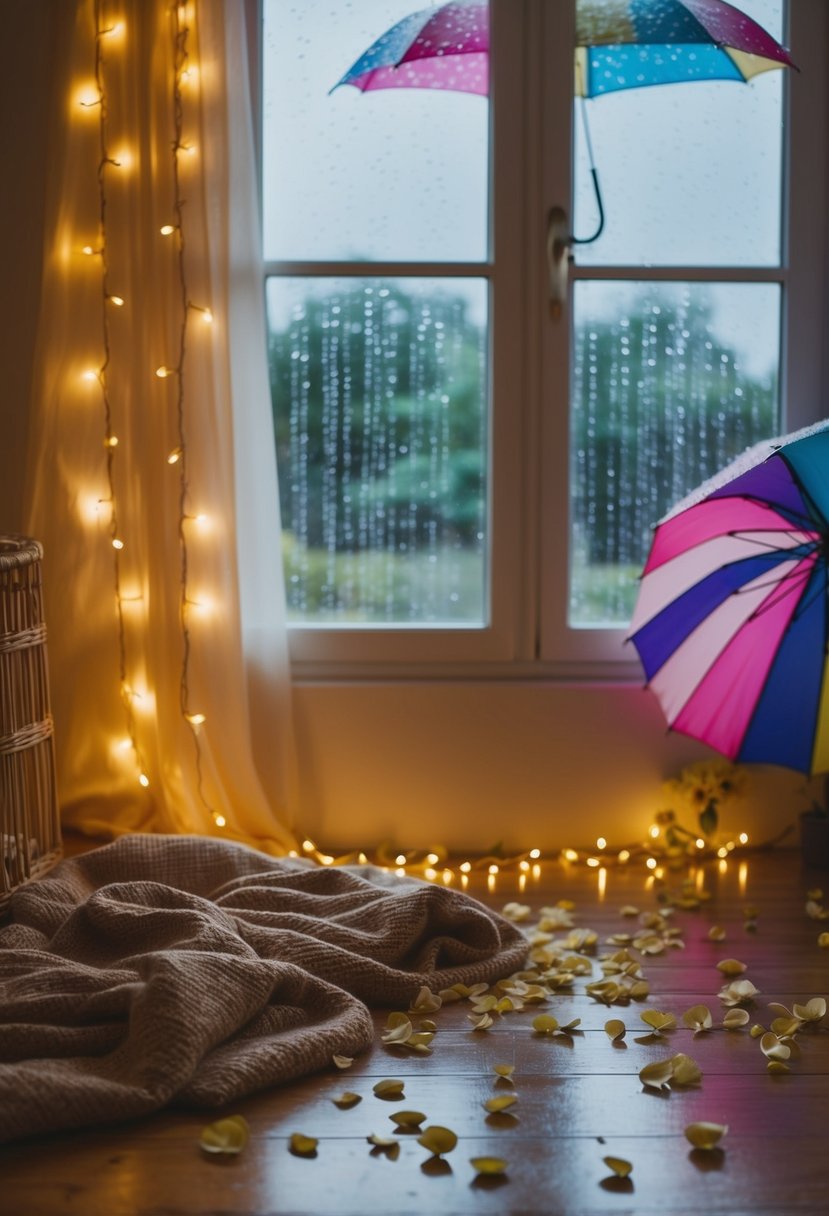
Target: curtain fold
185	620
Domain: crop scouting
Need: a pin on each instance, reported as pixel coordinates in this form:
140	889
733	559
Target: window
465	479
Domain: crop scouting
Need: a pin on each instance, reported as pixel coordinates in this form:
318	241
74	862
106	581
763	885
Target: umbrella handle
588	240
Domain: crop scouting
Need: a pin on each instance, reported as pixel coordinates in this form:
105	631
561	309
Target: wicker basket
30	841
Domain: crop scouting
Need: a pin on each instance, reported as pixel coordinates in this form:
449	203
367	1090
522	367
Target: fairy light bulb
308	846
207	316
624	855
465	867
196	719
601	843
88	250
175	456
111	441
89	374
651	863
117	543
143	779
743	838
571	855
167	229
219	820
699	842
163	372
535	854
118	301
493	869
593	862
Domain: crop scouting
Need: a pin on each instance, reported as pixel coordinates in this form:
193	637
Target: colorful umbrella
620	44
732	618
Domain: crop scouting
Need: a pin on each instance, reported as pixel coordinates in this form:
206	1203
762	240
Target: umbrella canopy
732	618
620	44
628	44
436	48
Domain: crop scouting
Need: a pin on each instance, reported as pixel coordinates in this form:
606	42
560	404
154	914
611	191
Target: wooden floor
579	1096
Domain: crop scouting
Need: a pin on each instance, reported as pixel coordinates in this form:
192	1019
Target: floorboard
579	1096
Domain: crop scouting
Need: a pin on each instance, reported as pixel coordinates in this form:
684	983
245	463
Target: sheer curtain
152	480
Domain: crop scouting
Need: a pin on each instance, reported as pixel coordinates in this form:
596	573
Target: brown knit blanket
178	970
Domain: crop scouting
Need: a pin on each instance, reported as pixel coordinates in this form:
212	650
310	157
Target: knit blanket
190	971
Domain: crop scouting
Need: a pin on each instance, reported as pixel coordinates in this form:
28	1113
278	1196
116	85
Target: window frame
527	635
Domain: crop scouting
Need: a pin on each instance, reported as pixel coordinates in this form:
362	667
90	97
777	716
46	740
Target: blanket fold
191	971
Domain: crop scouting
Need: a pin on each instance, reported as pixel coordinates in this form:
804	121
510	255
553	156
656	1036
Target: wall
466	764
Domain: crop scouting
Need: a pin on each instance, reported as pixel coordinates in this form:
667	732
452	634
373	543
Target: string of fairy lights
111	34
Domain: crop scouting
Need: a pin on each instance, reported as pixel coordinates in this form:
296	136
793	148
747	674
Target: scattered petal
428	1024
480	1023
343	1061
658	1021
505	1071
615	1029
813	1011
705	1135
398	1029
787	1026
545	1023
685	1070
488	1165
389	1145
618	1165
438	1140
347	1100
777	1066
757	1030
716	934
408	1118
516	912
302	1146
658	1074
816	893
426	1001
773	1048
731	966
628	910
698	1018
389	1087
228	1135
823	941
737	992
735	1018
503	1102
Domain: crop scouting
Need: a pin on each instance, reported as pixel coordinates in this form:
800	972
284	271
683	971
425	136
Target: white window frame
527	635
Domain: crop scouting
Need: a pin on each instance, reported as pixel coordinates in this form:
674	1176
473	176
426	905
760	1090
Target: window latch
558	259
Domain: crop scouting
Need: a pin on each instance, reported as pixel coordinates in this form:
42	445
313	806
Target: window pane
690	173
670	382
394	174
380	404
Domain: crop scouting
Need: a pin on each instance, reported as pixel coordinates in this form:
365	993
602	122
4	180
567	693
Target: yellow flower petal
615	1030
407	1118
501	1103
389	1145
658	1074
731	966
716	933
698	1017
428	1024
735	1018
773	1048
812	1011
815	893
516	912
657	1020
343	1061
389	1087
777	1066
685	1071
228	1135
545	1023
504	1071
398	1029
346	1100
438	1140
786	1026
757	1030
488	1165
628	910
426	1001
302	1146
618	1165
823	941
705	1135
480	1023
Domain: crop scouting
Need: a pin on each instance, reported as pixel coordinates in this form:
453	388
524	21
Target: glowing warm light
432	859
220	821
700	843
116	543
203	604
400	859
122	159
123	745
535	854
114	31
174	457
86	96
651	863
196	719
361	857
430	873
593	862
143	779
722	866
464	881
189	75
624	855
326	860
524	865
207	316
723	852
601	843
522	882
111	441
465	867
571	855
659	872
308	846
163	372
536	871
400	871
653	831
89	374
187	149
447	877
118	301
743	838
730	845
167	229
493	869
602	882
742	876
490	882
